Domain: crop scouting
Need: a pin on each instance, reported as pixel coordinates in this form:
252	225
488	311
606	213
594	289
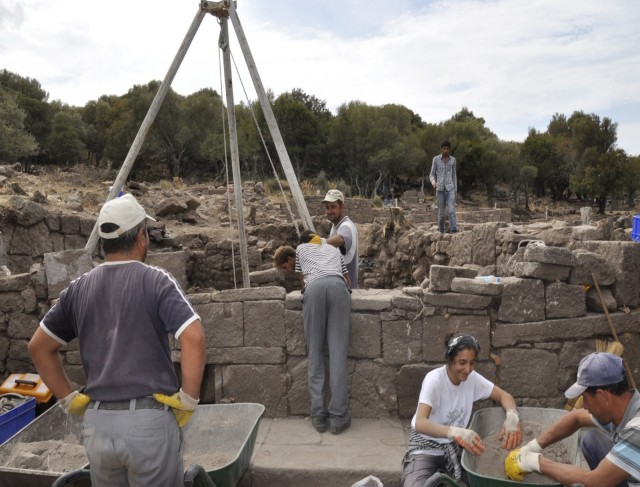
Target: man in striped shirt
612	448
326	312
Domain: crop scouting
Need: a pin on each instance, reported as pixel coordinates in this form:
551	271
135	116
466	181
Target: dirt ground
83	190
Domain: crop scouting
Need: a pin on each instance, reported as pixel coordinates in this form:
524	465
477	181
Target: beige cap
334	195
125	212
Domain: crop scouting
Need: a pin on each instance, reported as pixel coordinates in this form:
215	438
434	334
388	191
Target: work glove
75	403
467	439
510	433
181	403
518	463
532	446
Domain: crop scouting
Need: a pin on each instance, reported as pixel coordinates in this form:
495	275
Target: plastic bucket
635	230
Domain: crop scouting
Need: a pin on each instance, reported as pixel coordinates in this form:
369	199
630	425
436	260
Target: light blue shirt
444	174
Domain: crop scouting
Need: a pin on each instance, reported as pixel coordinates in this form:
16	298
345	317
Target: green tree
300	131
601	175
551	154
631	181
15	141
203	131
476	149
600	166
96	117
370	145
252	152
31	98
65	142
349	143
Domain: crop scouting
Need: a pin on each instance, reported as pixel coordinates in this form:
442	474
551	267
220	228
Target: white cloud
515	64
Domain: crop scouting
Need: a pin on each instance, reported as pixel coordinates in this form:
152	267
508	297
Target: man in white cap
343	234
121	313
612	448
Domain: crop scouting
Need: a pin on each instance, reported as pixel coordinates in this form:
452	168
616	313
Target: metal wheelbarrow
489	420
220	438
194	476
217	448
54	425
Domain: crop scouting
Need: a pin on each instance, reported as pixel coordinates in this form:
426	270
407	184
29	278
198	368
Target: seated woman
438	429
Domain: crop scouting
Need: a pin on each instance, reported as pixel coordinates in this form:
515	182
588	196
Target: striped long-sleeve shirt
318	261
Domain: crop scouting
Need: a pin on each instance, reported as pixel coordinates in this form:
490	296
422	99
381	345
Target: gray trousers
138	448
326	311
418	468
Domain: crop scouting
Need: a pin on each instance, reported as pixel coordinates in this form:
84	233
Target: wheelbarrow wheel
196	476
77	478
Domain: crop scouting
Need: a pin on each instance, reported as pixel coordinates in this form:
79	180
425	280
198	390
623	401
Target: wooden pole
235	157
632	382
134	150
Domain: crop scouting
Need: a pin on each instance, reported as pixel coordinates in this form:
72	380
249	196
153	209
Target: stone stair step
290	453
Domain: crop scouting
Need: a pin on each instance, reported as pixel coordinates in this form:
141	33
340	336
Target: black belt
140	403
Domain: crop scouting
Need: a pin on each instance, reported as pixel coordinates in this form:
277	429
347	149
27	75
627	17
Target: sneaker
319	423
337	429
455	230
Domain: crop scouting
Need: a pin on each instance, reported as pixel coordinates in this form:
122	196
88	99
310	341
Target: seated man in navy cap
612	449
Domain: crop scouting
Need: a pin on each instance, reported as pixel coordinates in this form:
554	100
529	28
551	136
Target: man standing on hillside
444	179
343	234
121	313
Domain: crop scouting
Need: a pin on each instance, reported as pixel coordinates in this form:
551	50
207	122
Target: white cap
334	195
125	212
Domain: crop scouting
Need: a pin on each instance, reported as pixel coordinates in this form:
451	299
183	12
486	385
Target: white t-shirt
451	405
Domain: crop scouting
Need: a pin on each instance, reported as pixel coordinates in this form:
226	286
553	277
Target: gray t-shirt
121	313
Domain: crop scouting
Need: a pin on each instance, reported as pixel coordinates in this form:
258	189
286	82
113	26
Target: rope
223	44
264	144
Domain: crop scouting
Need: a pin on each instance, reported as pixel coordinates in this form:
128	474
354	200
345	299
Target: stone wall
28	231
358	209
256	348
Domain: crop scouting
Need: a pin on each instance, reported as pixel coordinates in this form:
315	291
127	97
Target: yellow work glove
181	403
518	463
75	403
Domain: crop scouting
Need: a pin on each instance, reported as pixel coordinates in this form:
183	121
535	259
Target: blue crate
635	230
13	421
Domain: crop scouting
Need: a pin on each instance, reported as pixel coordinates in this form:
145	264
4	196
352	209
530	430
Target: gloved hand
467	439
181	403
518	463
75	403
532	446
510	433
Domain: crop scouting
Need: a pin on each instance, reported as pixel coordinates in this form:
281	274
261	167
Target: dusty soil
48	456
491	462
82	190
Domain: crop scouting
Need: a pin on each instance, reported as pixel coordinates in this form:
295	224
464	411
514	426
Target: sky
515	64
